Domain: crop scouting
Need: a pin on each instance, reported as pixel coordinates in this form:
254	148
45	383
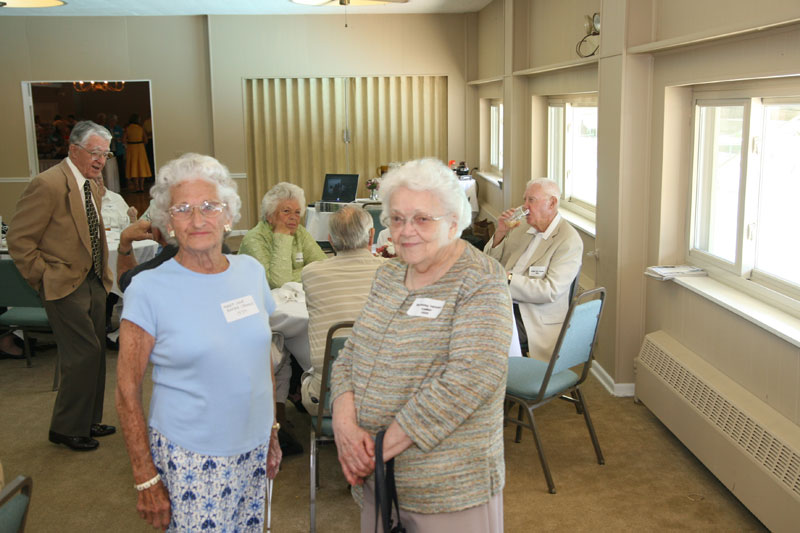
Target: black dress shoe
101	430
79	444
6	355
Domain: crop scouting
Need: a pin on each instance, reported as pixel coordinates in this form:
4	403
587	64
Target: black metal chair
532	383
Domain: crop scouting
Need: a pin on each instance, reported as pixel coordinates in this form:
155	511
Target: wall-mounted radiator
748	445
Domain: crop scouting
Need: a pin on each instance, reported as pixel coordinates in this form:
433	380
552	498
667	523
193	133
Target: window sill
580	222
777	322
494	179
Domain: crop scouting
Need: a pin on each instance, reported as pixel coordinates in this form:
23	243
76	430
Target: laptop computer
340	188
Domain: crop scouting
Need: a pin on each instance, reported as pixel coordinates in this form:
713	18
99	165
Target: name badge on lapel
427	307
239	308
537	271
298	257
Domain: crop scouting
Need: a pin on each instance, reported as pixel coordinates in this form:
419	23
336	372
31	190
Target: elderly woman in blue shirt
202	458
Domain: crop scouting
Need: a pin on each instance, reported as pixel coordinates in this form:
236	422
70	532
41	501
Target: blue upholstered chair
15	498
532	383
375	209
321	423
27	313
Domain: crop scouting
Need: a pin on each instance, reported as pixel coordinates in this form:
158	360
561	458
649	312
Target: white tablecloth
142	251
289	322
471	188
111	175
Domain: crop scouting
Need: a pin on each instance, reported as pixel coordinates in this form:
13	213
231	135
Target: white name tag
298	257
427	307
537	271
239	308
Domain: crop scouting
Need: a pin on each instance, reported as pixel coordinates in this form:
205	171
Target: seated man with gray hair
337	288
542	256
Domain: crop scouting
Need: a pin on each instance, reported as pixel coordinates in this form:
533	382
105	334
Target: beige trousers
486	518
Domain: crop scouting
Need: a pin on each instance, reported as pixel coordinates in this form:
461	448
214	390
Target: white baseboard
623	390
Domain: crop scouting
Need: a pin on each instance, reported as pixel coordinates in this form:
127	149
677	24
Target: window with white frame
496	136
572	150
746	182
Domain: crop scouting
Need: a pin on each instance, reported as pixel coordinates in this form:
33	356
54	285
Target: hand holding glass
516	217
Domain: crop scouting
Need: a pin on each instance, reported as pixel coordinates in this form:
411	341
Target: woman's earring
227	228
171	233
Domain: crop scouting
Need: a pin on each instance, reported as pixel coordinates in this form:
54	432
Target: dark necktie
94	230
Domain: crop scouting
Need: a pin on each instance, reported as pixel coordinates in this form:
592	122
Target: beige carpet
650	482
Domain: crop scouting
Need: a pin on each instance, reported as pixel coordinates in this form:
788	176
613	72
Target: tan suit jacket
543	301
48	237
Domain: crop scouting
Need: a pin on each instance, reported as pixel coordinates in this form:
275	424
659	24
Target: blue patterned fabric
212	493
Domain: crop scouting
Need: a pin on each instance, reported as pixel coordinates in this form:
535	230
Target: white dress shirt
524	259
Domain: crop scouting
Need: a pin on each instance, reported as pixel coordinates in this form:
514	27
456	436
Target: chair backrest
573	287
16	291
14	502
576	341
375	210
333	346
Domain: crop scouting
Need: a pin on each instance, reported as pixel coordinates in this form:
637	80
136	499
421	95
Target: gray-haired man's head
350	229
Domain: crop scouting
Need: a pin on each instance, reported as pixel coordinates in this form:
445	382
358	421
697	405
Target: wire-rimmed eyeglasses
97	155
208	209
420	221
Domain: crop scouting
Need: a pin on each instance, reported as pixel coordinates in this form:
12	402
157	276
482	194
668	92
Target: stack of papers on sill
666	272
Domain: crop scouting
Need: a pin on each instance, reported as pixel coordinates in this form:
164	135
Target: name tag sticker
427	307
537	271
298	257
239	308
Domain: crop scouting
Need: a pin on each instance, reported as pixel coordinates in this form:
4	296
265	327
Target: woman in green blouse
279	241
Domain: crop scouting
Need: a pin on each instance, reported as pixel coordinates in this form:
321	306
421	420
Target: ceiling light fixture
311	2
31	4
98	86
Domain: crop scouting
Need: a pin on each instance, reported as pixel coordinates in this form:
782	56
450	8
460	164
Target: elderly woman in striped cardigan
427	361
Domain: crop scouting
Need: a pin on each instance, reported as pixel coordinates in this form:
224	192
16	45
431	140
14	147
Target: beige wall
681	18
170	52
196	66
293	46
490	41
555	28
644	157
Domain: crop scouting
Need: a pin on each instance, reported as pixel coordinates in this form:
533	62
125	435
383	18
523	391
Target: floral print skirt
212	493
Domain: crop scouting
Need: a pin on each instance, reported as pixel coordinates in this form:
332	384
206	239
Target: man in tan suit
57	240
542	256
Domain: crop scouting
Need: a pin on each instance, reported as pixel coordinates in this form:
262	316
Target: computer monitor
340	188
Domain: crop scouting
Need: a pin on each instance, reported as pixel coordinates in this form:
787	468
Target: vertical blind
299	129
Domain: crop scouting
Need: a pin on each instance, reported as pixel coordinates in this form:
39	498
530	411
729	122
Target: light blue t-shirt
212	390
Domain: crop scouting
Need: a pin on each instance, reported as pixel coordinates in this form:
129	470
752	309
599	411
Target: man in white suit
542	256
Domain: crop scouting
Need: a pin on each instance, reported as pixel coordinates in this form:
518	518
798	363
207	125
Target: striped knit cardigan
443	380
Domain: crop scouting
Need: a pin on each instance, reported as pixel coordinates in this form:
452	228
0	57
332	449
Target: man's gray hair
349	228
429	175
548	186
190	167
85	129
279	193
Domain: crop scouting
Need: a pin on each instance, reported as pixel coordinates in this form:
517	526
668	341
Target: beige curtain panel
299	129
